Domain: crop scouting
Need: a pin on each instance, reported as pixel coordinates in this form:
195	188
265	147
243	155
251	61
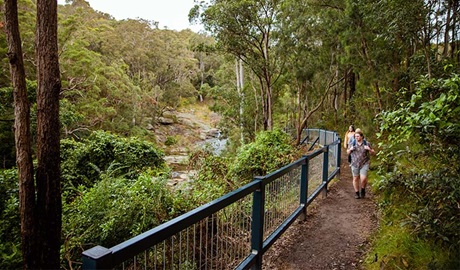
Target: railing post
257	227
339	156
324	136
325	169
97	258
304	188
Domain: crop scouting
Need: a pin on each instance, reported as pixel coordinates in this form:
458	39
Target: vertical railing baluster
164	254
211	255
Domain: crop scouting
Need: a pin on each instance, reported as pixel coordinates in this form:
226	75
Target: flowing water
214	141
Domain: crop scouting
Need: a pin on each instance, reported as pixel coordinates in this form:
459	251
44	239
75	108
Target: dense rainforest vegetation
390	67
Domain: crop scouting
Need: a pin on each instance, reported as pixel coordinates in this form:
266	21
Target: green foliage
430	118
170	140
10	249
26	19
433	197
401	242
120	75
114	210
102	152
69	116
420	155
218	175
270	151
397	248
211	180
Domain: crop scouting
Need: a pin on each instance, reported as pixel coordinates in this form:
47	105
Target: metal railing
235	230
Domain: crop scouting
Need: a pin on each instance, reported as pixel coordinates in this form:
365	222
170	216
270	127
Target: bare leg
363	186
356	183
363	181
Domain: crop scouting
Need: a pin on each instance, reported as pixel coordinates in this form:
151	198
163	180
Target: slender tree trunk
447	29
256	102
299	112
371	66
240	88
427	49
455	7
269	108
378	95
49	206
22	138
345	90
201	76
350	88
263	95
335	98
352	83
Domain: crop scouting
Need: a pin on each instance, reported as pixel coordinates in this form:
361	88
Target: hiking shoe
363	193
357	195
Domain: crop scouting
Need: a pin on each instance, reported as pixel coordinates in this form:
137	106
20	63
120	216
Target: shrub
84	162
270	151
211	180
421	155
114	210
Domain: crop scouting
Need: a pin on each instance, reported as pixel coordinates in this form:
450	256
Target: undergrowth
397	245
418	185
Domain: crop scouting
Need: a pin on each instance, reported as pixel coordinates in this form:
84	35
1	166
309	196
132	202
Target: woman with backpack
360	151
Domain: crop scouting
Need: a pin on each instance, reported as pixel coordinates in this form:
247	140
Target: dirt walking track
335	234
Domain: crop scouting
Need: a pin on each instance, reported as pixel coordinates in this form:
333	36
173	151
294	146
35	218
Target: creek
214	141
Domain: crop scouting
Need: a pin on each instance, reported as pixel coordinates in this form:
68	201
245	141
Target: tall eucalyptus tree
40	198
246	29
22	136
48	176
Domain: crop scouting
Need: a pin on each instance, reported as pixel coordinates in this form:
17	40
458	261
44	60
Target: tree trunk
350	88
447	29
426	48
202	67
239	88
269	108
22	138
352	83
256	102
378	95
49	208
455	6
345	86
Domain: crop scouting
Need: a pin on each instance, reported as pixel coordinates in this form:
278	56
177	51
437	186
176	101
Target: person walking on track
360	151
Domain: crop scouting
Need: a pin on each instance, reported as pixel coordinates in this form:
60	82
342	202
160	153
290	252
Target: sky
172	14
